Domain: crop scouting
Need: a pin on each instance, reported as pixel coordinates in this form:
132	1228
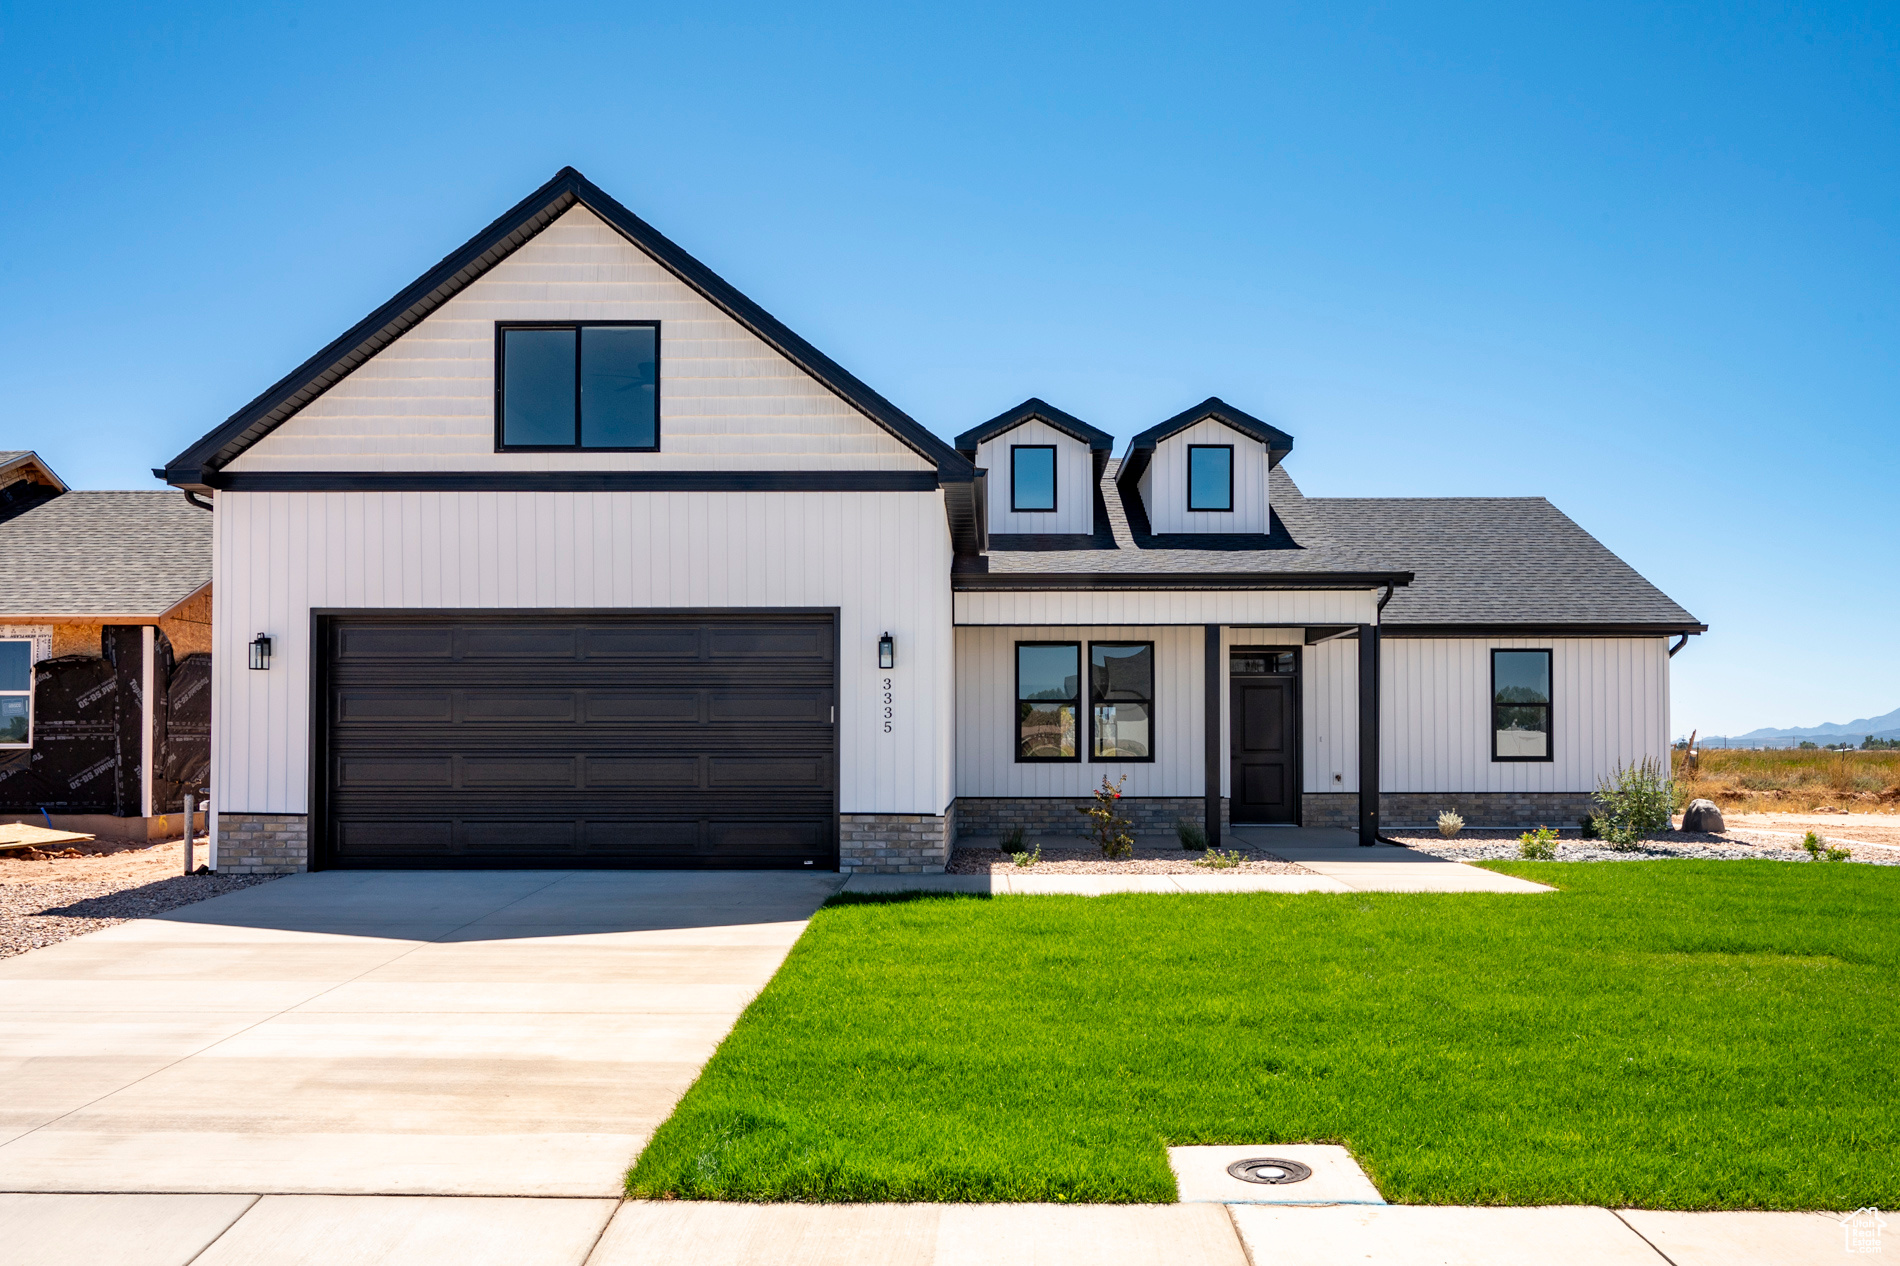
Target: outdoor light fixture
260	652
886	652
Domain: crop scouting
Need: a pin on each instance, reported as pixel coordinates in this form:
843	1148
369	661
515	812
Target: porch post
1210	740
1368	734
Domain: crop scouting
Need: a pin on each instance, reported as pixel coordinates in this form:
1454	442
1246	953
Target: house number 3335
888	697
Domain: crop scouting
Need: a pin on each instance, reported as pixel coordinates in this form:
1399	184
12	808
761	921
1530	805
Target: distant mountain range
1887	726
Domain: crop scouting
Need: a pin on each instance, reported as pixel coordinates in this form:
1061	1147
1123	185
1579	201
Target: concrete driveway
485	1033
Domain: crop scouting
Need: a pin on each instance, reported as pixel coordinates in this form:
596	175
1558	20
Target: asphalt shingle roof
103	553
1474	560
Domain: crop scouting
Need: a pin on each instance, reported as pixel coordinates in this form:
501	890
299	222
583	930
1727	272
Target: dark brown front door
1265	743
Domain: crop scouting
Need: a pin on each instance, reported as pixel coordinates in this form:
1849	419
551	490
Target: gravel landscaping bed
1089	861
1571	847
35	915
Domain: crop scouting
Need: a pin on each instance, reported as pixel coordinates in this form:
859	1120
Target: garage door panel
639	741
519	705
676	643
634	771
518	641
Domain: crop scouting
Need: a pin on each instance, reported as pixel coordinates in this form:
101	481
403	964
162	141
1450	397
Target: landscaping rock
1702	816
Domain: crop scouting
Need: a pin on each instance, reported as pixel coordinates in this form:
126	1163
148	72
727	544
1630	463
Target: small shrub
1820	850
1538	846
1027	859
1013	842
1193	835
1587	826
1214	859
1449	823
1108	827
1637	799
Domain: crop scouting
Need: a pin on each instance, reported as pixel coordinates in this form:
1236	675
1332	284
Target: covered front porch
1264	713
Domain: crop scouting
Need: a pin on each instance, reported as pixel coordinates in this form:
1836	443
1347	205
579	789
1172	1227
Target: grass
1792	781
1658	1034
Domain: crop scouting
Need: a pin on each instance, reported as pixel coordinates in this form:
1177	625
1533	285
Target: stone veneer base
263	843
895	843
1061	815
1419	810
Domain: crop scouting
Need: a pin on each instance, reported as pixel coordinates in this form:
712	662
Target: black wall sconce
886	652
260	652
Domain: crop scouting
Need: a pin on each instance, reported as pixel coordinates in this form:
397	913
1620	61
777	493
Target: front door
1263	711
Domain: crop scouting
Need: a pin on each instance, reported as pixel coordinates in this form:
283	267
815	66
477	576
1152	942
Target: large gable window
16	693
578	385
1122	692
1520	705
1032	477
1048	700
1210	477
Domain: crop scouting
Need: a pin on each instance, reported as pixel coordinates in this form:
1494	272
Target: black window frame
1083	739
1194	509
1550	708
1153	721
501	442
1055	480
28	693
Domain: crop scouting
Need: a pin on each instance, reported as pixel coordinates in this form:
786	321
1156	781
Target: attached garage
478	740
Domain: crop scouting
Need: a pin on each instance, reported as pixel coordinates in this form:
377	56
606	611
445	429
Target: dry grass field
1792	781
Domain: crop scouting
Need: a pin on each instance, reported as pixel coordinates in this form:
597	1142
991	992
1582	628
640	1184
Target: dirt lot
48	897
1858	828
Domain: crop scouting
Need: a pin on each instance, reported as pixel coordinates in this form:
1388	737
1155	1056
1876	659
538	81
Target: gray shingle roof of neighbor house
103	554
1455	562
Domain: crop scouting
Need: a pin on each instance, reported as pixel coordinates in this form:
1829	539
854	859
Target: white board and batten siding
881	558
728	401
1075	481
1164	484
1609	706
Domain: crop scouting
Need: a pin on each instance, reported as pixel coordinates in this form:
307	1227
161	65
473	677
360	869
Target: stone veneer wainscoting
895	843
1419	810
263	843
1048	815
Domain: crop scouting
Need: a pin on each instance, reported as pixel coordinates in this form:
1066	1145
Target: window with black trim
577	385
1520	705
16	693
1032	478
1122	700
1210	477
1048	701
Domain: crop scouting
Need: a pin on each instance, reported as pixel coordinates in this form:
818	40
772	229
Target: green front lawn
1661	1034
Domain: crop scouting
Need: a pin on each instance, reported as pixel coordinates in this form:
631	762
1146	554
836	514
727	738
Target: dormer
1204	471
1043	467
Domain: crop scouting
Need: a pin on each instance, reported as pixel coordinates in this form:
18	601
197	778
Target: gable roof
1141	448
196	468
110	555
1034	409
1459	564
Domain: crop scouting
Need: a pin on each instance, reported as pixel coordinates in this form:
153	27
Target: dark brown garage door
481	741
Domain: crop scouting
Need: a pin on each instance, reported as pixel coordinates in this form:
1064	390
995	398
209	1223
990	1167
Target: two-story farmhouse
572	555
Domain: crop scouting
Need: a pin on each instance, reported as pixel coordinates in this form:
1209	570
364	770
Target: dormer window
1032	478
1210	474
575	385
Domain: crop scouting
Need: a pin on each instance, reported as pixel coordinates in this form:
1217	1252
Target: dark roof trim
970	581
1539	630
1141	448
1036	410
579	481
481	253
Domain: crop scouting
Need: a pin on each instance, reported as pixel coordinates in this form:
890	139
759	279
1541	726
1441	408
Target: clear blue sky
1639	260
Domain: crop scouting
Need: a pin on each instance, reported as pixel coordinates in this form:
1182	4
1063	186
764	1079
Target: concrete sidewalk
1338	862
245	1230
512	1033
